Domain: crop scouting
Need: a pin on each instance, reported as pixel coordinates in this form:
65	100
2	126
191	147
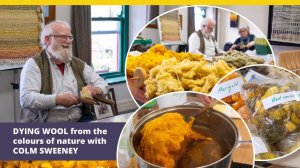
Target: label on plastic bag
255	76
259	145
227	88
280	98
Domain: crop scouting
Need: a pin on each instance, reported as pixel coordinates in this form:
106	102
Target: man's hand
205	100
94	90
66	99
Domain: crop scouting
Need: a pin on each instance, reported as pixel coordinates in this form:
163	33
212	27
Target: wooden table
244	153
137	93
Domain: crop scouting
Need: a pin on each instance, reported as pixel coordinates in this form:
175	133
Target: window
109	39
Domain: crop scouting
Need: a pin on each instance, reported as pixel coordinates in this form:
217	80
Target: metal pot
211	123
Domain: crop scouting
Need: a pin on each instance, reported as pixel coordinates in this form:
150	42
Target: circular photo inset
185	129
267	98
190	50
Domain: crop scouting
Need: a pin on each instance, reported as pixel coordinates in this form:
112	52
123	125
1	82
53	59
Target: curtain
81	29
191	18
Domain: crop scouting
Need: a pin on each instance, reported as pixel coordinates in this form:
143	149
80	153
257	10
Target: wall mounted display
284	25
20	27
234	20
169	26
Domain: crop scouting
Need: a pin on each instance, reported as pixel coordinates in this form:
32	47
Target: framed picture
169	28
154	25
106	106
234	20
284	25
49	13
103	111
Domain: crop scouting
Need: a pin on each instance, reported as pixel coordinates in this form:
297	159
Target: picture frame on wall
234	20
48	13
169	26
284	25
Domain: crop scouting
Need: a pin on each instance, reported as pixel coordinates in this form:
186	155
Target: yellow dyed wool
154	56
174	75
165	138
85	93
59	164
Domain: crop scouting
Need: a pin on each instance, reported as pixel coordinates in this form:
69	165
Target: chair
227	46
182	48
290	60
109	99
101	106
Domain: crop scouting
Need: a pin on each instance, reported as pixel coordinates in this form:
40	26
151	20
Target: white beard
62	54
207	35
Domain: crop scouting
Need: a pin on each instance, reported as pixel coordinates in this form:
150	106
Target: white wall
63	13
229	34
138	19
259	16
184	31
151	33
256	14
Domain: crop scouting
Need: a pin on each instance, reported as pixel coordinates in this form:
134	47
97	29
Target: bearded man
50	83
203	42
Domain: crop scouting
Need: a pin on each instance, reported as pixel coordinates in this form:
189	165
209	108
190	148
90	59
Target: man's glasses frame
65	37
211	28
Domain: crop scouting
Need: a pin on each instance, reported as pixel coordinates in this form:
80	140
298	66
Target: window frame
124	44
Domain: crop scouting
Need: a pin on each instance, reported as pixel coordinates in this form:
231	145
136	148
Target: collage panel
165	131
151	71
267	98
192	48
216	61
51	76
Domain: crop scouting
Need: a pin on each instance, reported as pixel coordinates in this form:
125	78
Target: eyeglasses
65	37
211	28
242	30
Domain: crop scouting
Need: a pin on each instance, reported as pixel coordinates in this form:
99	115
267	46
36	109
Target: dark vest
35	115
202	43
42	61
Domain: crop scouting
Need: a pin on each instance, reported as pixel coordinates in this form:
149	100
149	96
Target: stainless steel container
211	124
